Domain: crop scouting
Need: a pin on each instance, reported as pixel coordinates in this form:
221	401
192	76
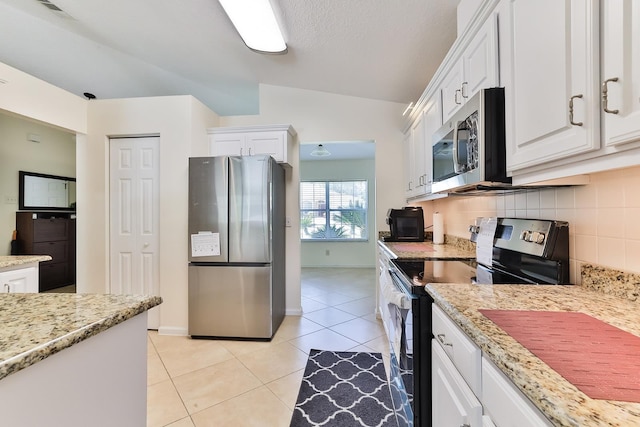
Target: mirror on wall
46	192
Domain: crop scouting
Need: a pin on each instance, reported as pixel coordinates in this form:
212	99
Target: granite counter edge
41	352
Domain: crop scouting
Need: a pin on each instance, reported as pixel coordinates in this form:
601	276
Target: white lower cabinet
19	280
454	404
504	403
468	390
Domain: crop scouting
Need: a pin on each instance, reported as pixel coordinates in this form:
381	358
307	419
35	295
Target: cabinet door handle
441	339
605	96
571	110
463	90
249	150
241	151
455	96
7	287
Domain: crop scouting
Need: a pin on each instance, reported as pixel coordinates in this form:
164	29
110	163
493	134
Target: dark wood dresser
49	233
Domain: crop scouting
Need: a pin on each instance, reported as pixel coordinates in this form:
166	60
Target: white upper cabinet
418	158
407	151
276	140
418	149
549	58
476	69
620	76
432	118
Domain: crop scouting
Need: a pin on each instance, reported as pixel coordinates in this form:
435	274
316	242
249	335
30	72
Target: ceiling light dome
320	151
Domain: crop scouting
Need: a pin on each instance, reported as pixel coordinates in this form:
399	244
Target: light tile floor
202	383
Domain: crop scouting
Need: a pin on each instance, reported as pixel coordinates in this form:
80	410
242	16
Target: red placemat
601	360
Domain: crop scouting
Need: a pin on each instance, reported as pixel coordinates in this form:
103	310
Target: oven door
398	302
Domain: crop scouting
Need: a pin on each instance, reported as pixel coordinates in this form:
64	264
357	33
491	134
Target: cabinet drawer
464	354
53	275
47	229
59	251
506	405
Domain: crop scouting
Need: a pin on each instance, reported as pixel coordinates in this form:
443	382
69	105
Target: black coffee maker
406	224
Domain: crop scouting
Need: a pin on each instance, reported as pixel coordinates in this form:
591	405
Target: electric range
508	251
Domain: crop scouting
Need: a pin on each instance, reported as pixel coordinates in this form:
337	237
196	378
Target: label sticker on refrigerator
205	243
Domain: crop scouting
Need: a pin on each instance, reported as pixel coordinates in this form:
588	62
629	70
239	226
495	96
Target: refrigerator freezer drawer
231	302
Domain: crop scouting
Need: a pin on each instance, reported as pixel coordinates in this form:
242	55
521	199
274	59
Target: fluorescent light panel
256	23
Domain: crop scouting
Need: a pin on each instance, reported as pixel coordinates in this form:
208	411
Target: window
333	210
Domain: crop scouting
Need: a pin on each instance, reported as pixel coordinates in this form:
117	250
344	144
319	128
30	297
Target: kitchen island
558	400
19	273
73	359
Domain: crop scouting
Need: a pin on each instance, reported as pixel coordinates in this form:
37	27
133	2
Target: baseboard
172	330
293	312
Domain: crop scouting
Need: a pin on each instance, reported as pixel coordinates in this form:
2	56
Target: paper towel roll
438	228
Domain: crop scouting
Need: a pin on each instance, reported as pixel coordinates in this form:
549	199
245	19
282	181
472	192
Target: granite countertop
559	400
36	326
18	260
427	250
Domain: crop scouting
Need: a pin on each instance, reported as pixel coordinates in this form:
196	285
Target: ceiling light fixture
320	151
256	23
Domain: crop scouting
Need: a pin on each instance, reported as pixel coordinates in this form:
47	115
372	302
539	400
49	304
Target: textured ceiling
377	49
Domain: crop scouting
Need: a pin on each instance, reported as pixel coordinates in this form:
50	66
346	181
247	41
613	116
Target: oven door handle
394	294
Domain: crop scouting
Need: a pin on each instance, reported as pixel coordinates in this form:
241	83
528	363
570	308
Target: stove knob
538	237
525	235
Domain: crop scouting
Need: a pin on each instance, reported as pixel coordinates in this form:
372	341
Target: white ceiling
377	49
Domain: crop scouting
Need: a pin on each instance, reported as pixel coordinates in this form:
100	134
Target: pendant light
320	151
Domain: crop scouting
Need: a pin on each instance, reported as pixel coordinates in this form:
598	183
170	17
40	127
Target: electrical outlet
287	221
11	200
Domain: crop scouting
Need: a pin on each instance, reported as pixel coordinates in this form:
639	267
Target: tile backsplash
603	216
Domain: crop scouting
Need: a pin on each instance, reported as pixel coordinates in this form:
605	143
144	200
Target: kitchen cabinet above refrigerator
274	140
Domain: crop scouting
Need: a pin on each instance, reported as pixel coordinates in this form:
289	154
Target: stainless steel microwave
469	149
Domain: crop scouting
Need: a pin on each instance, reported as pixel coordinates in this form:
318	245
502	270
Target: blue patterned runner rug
346	389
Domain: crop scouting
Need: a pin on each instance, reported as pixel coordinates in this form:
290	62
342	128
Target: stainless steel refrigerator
236	247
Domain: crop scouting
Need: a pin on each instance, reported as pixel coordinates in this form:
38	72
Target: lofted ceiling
377	49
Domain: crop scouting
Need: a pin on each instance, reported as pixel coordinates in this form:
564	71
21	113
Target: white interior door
134	218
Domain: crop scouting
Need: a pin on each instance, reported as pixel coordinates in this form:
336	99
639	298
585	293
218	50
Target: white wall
320	116
55	154
31	97
342	254
181	123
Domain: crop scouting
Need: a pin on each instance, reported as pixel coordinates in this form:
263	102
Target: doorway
349	164
134	193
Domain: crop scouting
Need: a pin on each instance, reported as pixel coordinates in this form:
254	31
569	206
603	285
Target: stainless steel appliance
522	251
236	247
406	224
469	149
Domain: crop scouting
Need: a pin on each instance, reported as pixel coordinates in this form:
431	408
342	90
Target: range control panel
528	236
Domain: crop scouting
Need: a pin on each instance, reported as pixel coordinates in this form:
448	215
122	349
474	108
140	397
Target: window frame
329	212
